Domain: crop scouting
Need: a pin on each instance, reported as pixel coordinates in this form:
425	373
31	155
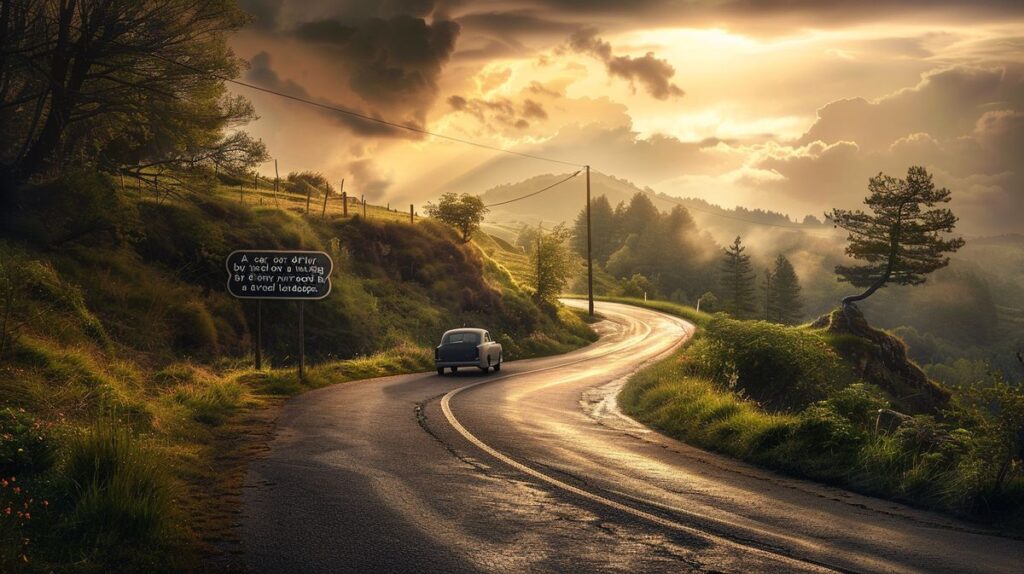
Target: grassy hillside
127	395
800	400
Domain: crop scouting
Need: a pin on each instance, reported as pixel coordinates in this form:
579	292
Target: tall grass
118	491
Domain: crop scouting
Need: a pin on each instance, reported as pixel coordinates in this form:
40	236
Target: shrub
781	367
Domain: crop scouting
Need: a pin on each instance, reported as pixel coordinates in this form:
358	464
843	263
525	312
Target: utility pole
590	259
277	179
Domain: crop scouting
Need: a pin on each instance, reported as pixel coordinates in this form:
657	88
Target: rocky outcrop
881	359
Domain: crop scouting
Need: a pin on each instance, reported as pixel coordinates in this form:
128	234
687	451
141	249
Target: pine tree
900	241
737	279
771	307
605	235
787	306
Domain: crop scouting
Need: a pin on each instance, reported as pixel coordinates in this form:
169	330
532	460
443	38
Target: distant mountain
565	201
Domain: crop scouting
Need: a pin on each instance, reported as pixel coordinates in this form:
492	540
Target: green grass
779	397
131	317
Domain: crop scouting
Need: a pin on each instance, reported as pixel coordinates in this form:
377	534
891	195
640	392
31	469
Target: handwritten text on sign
279	274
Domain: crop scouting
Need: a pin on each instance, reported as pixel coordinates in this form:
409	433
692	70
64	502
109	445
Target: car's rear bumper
468	363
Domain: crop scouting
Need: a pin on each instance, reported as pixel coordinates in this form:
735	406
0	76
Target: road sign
300	275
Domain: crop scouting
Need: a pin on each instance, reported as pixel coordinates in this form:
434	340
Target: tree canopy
110	84
902	238
552	264
463	212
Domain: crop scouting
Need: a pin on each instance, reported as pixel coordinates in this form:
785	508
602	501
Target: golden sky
783	105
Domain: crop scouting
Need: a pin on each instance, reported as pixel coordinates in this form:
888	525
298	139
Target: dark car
467	348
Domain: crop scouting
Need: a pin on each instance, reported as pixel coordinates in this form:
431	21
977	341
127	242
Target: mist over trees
665	254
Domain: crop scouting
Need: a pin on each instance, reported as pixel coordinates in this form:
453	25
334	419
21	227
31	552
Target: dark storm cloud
747	16
265	13
261	74
653	73
396	60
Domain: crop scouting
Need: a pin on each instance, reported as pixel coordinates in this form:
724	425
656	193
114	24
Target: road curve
536	470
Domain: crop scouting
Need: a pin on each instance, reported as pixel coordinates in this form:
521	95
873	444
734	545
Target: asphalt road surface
535	470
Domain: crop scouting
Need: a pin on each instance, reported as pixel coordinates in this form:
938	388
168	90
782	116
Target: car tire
455	370
440	371
498	366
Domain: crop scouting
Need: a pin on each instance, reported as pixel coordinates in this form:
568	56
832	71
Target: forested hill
563	202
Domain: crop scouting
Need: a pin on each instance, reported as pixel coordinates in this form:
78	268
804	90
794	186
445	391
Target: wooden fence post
364	207
327	192
309	195
277	179
411	214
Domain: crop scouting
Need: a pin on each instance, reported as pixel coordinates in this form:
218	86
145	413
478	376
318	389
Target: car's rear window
473	338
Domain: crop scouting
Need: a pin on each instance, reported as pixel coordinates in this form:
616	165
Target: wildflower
28	516
7	511
4	483
17	490
46	503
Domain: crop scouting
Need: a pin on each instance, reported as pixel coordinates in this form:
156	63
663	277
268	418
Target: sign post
285	275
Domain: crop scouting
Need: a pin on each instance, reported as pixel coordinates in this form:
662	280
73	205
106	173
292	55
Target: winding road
535	470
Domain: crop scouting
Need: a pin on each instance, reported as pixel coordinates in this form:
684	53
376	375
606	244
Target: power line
539	191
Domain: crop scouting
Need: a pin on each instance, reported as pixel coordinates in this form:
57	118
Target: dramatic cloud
261	74
654	74
392	62
790	105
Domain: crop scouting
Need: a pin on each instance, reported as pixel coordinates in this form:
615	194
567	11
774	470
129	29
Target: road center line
659	520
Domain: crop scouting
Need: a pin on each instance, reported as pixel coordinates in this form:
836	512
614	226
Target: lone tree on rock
463	212
901	239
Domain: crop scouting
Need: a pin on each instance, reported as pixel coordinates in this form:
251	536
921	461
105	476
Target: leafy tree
708	301
109	84
901	239
527	238
737	281
463	212
786	305
552	264
638	286
605	238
